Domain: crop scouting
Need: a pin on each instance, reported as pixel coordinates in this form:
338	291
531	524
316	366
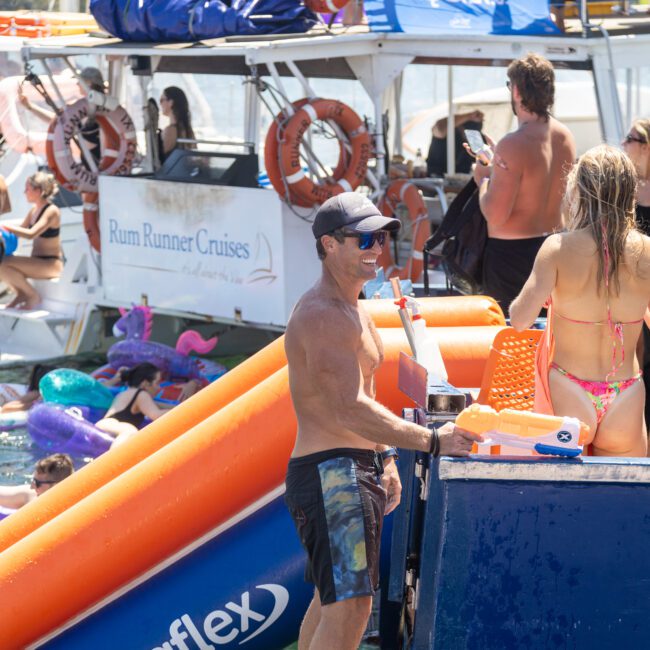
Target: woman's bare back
586	349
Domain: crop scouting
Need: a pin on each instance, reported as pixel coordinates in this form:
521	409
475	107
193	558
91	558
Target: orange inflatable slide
184	476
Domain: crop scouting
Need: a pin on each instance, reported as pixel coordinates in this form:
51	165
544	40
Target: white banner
207	249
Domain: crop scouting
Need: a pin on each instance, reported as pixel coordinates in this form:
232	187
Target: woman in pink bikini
595	278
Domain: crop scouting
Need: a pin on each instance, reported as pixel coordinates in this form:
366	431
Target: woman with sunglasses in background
175	107
636	145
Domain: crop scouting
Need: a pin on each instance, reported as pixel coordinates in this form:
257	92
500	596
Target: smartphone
477	145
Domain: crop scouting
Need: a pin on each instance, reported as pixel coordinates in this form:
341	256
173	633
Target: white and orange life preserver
22	130
283	161
326	6
118	145
118	153
274	138
402	191
91	218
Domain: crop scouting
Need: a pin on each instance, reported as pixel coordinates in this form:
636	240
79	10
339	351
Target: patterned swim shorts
337	503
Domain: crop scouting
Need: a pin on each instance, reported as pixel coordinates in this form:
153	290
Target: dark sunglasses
508	85
367	239
629	138
37	482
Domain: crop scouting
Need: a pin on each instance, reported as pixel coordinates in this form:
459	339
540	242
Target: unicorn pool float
175	363
73	401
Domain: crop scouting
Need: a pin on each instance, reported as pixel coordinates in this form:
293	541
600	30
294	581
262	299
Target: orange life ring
401	191
274	139
118	145
288	166
91	218
326	6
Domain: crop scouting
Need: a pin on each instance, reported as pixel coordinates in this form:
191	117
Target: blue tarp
194	20
530	17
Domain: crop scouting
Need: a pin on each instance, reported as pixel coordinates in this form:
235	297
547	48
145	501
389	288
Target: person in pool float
42	225
47	473
596	280
33	394
130	407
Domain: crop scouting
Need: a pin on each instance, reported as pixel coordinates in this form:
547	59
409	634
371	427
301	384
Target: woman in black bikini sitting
129	408
42	225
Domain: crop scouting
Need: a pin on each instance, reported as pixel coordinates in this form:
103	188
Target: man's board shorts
507	263
337	503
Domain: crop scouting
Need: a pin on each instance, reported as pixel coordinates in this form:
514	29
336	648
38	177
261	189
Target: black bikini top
127	415
50	232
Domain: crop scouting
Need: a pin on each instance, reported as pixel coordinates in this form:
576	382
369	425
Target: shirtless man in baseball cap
342	476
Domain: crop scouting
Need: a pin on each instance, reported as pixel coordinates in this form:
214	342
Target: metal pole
451	129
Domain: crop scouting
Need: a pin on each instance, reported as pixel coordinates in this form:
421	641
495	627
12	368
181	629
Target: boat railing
250	146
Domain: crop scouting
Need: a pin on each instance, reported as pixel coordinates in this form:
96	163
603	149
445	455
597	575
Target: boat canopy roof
326	53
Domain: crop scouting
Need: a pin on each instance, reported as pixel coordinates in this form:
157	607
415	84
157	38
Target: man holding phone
522	187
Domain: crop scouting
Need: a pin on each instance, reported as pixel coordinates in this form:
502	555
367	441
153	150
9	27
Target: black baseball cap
354	211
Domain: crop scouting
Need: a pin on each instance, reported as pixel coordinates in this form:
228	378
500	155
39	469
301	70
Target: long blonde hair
601	196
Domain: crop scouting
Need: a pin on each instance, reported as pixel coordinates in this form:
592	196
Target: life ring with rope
284	162
274	138
118	153
402	191
118	145
326	6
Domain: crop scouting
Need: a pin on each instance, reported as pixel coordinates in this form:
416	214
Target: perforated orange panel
509	376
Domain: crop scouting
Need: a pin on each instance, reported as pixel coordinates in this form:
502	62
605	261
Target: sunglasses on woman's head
367	239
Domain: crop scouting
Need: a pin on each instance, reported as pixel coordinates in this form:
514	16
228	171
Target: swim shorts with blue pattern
337	503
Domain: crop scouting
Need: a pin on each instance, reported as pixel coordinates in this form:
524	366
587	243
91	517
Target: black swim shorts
507	263
337	503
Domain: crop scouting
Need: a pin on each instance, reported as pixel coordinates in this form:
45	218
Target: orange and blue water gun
545	434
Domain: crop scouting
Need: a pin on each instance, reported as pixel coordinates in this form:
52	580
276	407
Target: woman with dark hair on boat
596	280
174	106
42	225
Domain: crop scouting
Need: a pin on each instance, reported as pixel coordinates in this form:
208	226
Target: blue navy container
528	553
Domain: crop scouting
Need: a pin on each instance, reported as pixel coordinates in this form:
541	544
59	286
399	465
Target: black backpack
464	232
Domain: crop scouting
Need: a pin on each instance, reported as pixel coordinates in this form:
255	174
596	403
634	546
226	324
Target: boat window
239	170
